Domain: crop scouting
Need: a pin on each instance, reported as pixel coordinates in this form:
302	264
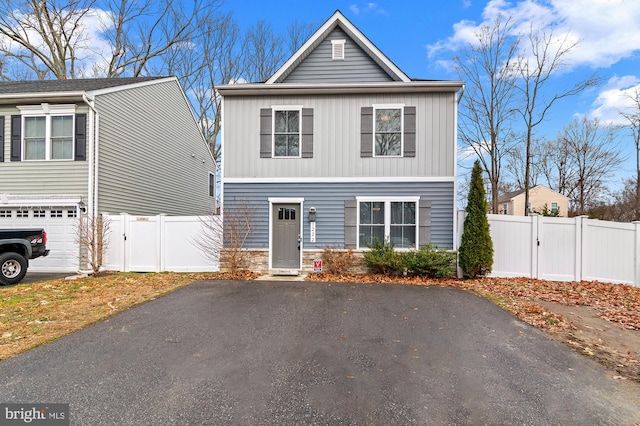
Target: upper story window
286	132
337	50
47	132
388	131
554	207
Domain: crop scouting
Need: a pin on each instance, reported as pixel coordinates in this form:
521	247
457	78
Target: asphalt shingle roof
72	85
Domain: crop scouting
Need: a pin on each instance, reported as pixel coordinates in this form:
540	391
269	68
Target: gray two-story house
90	146
339	148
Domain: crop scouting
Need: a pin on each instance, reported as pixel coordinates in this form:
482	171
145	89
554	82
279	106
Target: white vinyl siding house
340	131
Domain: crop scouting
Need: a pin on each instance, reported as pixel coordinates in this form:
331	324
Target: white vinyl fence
564	249
157	244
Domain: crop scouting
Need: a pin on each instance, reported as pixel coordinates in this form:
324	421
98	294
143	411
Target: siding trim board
324	179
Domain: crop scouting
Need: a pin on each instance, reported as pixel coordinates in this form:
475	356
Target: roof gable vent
337	50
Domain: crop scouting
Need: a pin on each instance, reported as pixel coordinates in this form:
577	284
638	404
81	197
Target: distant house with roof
513	203
88	146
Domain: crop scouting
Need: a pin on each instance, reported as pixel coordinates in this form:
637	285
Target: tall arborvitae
476	248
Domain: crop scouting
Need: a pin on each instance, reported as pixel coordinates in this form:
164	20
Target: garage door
60	225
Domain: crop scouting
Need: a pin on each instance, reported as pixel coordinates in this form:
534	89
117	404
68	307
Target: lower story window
387	220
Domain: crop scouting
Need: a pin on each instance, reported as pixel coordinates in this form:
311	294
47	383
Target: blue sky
421	36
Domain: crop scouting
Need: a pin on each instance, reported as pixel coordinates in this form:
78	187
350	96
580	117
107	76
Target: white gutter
342	88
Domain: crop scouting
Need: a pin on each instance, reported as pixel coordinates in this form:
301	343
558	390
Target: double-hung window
388	129
47	132
554	207
390	219
286	132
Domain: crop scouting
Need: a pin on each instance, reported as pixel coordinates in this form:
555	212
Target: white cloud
615	97
607	29
367	8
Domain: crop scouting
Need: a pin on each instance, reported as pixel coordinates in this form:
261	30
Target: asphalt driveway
274	353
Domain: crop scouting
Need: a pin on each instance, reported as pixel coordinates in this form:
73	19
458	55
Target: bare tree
297	34
263	52
547	55
92	234
210	241
238	226
55	39
44	37
632	117
209	61
486	66
592	155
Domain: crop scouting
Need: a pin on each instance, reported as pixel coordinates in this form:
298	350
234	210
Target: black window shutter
16	136
81	137
424	227
410	131
265	133
307	132
1	138
366	132
350	224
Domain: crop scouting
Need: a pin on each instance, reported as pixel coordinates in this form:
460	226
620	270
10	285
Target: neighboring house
338	148
88	146
513	202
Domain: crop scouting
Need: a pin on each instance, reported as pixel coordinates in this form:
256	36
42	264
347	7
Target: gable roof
508	196
66	89
339	20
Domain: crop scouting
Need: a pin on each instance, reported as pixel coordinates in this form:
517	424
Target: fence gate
563	249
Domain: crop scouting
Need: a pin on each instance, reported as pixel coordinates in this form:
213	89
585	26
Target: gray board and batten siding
337	135
40	178
319	67
151	149
329	200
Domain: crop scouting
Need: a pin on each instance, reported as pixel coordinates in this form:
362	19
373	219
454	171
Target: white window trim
47	111
387	216
275	108
337	53
389	106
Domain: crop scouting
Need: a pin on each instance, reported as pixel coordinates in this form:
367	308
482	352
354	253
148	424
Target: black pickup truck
17	246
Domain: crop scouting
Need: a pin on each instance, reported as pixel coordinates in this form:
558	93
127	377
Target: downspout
459	95
92	190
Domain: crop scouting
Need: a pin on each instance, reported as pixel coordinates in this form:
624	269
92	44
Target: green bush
429	262
426	262
382	258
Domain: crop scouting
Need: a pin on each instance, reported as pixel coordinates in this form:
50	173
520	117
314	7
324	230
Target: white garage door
60	225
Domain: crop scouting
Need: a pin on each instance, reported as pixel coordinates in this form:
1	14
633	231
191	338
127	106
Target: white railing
157	244
564	249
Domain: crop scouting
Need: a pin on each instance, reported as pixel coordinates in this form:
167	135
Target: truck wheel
13	268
